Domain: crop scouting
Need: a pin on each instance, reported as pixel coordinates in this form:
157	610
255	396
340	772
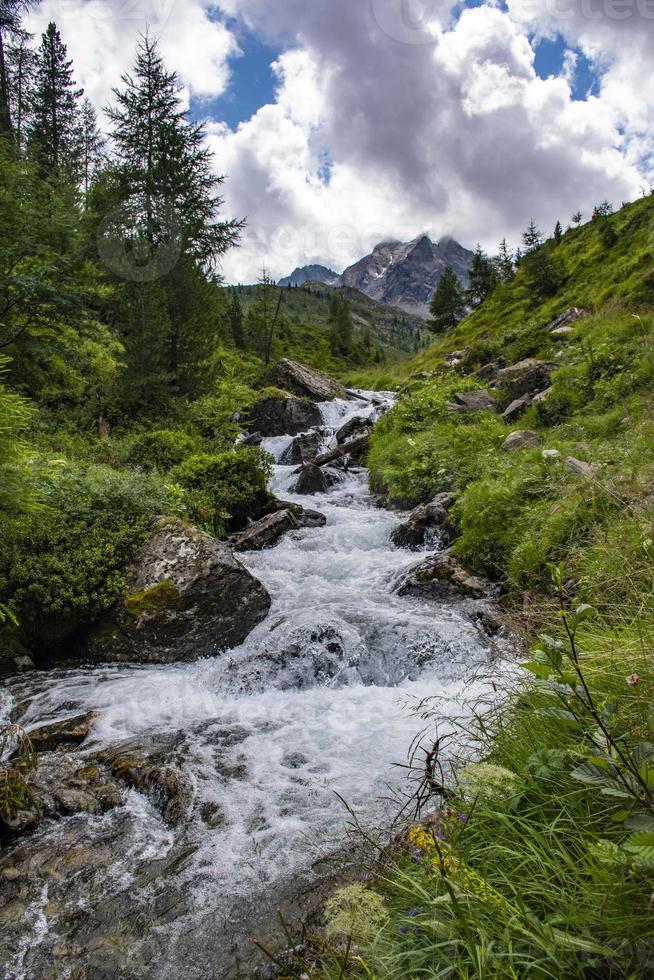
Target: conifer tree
91	145
53	132
504	263
235	318
342	328
21	66
558	233
11	34
448	303
483	278
532	237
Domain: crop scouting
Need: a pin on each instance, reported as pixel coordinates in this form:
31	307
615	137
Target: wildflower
404	930
416	855
633	680
412	913
463	817
485	781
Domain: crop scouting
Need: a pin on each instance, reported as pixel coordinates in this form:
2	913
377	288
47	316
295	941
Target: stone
455	358
303	515
187	597
71	731
542	396
266	532
76	801
354	427
589	471
551	454
303	449
18	823
315	479
563	321
14	657
427	520
516	408
488	372
440	577
278	415
474	401
252	439
521	439
528	377
305	381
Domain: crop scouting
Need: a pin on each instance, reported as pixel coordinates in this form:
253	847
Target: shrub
161	450
489	513
226	488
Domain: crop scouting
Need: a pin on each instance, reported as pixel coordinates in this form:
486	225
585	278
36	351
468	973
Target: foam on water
312	705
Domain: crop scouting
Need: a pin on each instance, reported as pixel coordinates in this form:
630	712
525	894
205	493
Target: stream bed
267	741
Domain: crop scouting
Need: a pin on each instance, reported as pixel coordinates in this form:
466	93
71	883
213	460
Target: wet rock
303	449
187	597
528	377
14	657
21	822
303	515
428	519
315	479
354	427
565	320
266	532
70	731
517	408
590	471
441	577
76	801
280	416
473	401
294	760
252	439
213	815
355	449
305	381
521	439
166	786
488	372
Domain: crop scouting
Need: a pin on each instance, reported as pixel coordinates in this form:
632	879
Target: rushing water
313	709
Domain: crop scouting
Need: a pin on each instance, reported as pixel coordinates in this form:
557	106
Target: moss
160	597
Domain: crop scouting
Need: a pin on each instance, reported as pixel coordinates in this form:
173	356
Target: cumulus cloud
394	117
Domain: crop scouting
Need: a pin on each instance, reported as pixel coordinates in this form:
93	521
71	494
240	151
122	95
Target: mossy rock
160	597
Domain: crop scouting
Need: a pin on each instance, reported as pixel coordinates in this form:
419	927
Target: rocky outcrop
473	401
429	521
266	532
521	439
187	597
490	371
303	449
440	577
315	479
528	377
306	382
278	415
563	323
356	426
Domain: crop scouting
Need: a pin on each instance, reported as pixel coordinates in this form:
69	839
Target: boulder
14	657
521	439
266	532
440	577
516	408
303	516
488	372
455	358
187	597
314	479
303	449
354	427
71	731
564	321
542	396
528	377
589	471
427	520
280	416
473	401
253	439
306	382
550	455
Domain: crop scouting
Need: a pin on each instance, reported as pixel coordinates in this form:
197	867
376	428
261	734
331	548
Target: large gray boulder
266	532
315	479
303	449
521	439
517	408
306	382
473	401
528	377
186	597
440	577
281	415
427	521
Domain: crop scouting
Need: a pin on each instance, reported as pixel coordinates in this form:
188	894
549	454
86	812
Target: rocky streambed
183	803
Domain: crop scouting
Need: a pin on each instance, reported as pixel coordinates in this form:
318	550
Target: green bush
225	489
161	450
490	517
62	565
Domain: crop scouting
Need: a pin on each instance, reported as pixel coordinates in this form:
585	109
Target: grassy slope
545	877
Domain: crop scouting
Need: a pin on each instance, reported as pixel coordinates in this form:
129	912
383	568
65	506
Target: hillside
391	329
540	863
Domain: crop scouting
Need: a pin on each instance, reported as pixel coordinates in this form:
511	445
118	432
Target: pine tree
11	34
53	133
91	145
576	218
342	328
558	233
448	303
235	318
166	169
21	65
483	278
263	316
532	237
504	263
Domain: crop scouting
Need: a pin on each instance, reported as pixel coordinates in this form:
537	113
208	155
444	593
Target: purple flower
412	913
463	817
404	930
416	855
